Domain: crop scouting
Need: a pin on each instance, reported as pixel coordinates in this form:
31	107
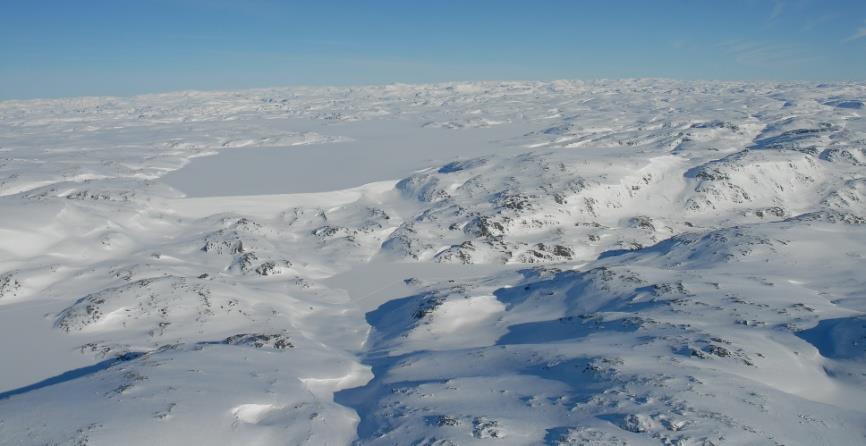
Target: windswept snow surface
517	263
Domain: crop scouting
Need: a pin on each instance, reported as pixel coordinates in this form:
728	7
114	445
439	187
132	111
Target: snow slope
607	262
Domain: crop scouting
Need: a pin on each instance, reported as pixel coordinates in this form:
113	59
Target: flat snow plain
608	263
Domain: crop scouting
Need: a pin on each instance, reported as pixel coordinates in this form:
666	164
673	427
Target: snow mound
610	262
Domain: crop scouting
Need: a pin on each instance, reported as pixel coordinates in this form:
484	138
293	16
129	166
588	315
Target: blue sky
122	47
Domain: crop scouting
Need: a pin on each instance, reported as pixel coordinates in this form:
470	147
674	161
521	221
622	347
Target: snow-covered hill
608	262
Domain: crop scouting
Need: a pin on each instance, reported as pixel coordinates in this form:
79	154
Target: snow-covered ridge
664	262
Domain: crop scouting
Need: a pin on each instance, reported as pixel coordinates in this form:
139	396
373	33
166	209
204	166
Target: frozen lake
382	150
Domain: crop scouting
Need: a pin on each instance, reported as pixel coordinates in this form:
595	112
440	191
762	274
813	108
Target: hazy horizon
98	48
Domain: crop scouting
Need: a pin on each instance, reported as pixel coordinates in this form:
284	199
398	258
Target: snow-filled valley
633	262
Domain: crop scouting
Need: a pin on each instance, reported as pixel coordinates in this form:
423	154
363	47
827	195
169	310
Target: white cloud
778	8
816	22
859	34
763	54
